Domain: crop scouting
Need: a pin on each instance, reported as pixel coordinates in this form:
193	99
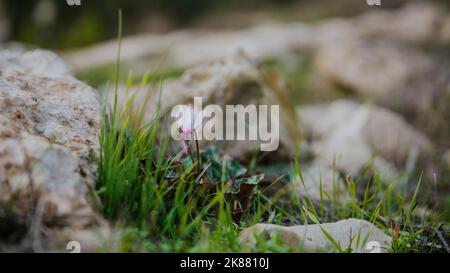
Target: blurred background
53	24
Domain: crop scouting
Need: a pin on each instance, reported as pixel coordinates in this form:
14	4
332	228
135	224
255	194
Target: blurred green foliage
96	77
55	24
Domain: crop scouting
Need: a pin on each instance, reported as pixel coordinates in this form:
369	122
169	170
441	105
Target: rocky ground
361	96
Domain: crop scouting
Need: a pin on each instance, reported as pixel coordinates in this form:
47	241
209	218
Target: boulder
379	56
271	39
49	126
446	160
351	135
428	19
397	76
189	48
314	175
358	235
445	29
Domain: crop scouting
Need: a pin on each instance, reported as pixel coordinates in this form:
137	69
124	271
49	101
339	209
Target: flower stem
198	157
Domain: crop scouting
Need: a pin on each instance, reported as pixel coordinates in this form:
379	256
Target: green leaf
220	167
331	239
170	174
252	180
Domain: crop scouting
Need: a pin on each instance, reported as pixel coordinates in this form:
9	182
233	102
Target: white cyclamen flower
187	122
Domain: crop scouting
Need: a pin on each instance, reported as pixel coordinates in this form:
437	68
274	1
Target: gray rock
311	238
313	175
425	17
351	135
271	39
49	126
445	29
189	48
379	56
446	160
397	76
414	23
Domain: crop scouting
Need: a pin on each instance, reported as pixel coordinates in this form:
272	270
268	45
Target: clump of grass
146	187
151	188
143	185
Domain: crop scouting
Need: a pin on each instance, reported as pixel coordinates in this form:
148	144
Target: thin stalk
198	157
119	46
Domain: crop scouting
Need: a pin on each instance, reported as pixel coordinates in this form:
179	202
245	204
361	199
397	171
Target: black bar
223	262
